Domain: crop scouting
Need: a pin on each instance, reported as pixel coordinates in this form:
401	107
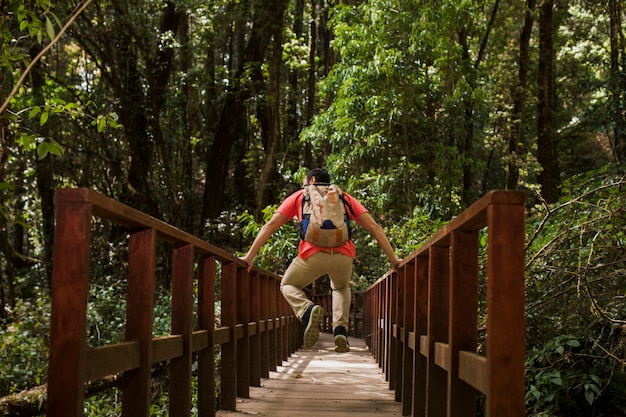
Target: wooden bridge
422	339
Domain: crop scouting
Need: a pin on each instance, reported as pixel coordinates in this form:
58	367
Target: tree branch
30	66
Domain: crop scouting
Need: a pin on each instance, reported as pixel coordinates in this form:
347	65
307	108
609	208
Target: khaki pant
301	273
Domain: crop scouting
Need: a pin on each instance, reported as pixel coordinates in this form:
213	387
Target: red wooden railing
421	321
258	330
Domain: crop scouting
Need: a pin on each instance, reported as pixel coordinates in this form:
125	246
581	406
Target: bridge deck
320	382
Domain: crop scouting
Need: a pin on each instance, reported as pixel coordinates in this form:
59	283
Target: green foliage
280	249
24	346
575	290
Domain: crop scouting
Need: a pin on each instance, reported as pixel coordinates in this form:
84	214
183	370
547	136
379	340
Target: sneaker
341	340
311	321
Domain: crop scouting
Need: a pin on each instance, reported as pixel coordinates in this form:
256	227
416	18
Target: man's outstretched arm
367	222
277	220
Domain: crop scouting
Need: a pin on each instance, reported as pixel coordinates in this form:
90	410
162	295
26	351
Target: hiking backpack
325	221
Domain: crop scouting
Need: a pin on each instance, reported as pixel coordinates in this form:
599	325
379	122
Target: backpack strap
346	204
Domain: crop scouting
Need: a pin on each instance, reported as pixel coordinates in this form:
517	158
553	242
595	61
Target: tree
617	83
247	81
546	142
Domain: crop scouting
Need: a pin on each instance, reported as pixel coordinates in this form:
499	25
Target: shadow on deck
320	382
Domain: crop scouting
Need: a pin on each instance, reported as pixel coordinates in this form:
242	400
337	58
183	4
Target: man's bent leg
298	275
340	284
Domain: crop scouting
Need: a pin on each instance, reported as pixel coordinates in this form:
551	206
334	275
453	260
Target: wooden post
243	344
182	302
206	321
273	314
68	321
265	335
229	350
409	326
398	353
421	329
438	278
505	311
255	340
139	318
463	319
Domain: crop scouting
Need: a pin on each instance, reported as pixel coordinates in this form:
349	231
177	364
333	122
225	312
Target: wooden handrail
257	333
421	320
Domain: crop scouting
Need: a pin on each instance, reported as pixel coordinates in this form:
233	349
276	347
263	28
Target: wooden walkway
319	382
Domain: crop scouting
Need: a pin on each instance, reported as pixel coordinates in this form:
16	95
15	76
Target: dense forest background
205	114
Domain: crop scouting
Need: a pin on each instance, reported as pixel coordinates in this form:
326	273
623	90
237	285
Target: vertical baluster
243	344
399	330
392	353
206	321
139	317
229	350
255	340
505	310
273	313
409	327
182	302
68	321
265	335
438	279
463	318
421	330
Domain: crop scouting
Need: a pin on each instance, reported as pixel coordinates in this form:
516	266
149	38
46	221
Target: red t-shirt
292	207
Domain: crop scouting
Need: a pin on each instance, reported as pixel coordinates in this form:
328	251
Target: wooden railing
421	321
258	330
355	318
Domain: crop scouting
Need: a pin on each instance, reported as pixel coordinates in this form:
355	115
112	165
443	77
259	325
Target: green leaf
50	28
573	343
42	150
43	118
101	123
34	112
589	396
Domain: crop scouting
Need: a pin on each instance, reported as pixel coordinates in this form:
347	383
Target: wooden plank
68	320
229	350
222	335
166	347
243	342
320	382
438	307
473	370
409	324
463	318
206	324
182	312
255	329
505	311
112	359
421	327
265	338
139	316
442	356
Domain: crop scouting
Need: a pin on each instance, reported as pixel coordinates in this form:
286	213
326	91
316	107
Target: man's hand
395	263
248	261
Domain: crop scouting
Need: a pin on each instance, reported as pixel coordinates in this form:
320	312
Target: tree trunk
546	147
268	13
519	100
44	172
618	80
270	127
